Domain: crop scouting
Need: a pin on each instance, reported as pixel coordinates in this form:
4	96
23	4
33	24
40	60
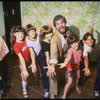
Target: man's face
60	25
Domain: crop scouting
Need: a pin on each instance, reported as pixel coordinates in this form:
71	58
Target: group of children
33	50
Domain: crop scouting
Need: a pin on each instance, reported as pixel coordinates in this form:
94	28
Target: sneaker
46	95
78	90
96	93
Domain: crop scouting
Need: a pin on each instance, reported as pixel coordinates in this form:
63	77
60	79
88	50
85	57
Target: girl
46	33
72	63
33	42
86	45
22	51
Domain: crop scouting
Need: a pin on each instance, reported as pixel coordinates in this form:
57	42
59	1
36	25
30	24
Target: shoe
96	93
25	94
78	90
52	96
46	95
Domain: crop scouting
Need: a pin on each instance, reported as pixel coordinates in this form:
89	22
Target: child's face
48	36
32	33
89	41
75	45
19	36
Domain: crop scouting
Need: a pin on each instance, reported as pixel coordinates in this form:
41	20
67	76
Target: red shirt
23	49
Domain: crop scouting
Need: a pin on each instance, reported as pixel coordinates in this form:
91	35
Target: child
33	42
21	49
46	33
72	63
36	82
97	79
86	44
4	76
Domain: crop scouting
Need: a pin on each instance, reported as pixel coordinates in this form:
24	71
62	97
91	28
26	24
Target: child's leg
36	82
68	84
1	87
97	80
24	83
24	87
77	81
45	78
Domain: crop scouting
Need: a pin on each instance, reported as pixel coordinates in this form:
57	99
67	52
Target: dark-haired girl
72	63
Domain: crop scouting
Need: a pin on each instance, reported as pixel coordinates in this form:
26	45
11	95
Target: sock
24	84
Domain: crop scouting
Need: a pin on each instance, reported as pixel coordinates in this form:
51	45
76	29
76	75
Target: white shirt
86	49
34	44
63	40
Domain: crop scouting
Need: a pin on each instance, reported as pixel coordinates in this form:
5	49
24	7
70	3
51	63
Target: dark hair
15	29
86	35
45	30
30	27
71	39
58	17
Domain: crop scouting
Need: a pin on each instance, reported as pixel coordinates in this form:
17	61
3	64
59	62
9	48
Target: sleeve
28	43
16	49
54	51
69	53
85	51
45	47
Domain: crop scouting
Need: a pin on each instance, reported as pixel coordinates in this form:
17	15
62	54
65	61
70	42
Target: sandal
25	94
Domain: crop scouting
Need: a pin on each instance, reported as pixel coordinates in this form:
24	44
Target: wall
2	26
80	14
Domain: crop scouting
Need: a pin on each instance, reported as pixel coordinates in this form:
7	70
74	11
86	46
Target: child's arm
23	66
47	57
33	65
86	69
67	59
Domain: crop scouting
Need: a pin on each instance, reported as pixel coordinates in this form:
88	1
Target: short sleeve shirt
34	44
23	49
86	49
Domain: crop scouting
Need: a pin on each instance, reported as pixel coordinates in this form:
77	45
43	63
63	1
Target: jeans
97	80
42	63
4	70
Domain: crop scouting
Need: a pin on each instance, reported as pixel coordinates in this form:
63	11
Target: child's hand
62	65
33	67
86	71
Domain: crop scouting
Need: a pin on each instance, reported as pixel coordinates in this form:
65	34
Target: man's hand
62	65
51	71
87	71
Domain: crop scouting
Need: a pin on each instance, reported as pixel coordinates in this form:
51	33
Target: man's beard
62	30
